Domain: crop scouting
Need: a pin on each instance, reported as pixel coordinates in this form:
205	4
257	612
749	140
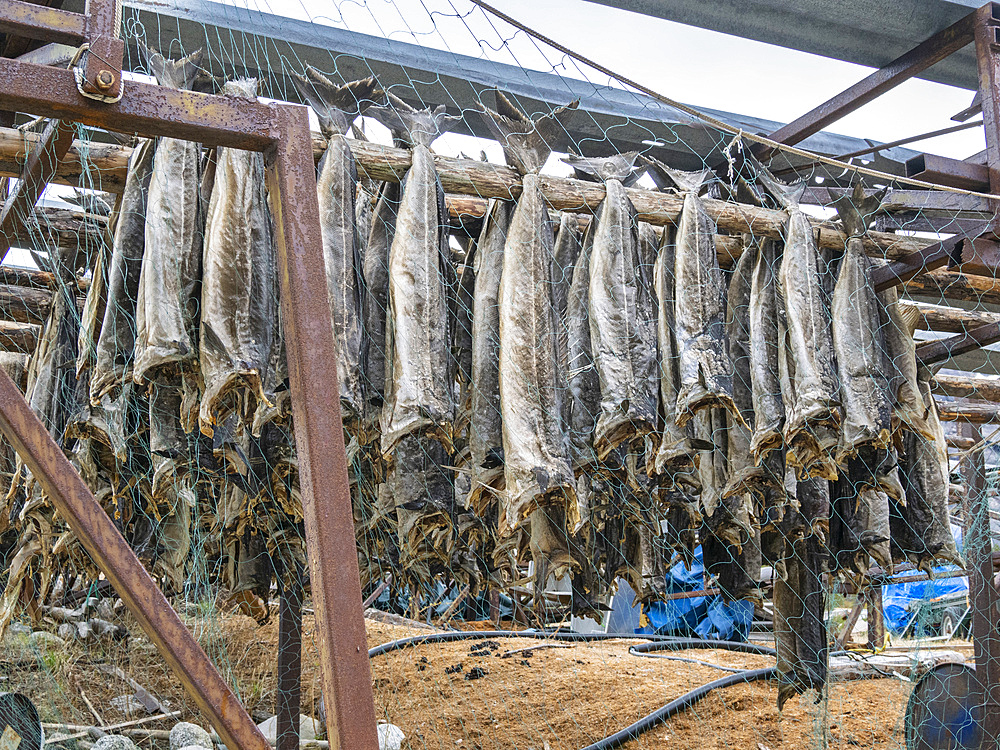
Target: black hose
654	643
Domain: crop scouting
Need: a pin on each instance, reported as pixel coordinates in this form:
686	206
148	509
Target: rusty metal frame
281	132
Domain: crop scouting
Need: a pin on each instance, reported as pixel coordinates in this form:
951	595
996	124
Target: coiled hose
654	643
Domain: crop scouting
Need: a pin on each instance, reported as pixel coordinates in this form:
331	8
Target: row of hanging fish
593	401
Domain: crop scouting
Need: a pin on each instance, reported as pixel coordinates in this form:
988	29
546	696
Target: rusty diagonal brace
282	133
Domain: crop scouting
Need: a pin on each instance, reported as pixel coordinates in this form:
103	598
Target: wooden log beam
24	304
955	285
973	412
40	167
970	385
18	337
921	57
949	319
467	177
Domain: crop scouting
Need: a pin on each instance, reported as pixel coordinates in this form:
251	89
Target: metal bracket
98	73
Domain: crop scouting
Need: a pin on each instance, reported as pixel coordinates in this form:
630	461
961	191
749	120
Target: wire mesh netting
632	370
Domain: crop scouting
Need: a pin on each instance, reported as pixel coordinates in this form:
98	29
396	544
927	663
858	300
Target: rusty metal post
289	660
319	438
105	545
988	62
979	563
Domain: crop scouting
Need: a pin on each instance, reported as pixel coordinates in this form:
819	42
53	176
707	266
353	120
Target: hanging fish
486	426
622	321
376	297
727	517
419	392
239	292
584	385
537	466
337	187
169	287
704	368
766	309
564	256
899	323
116	345
920	528
858	337
812	404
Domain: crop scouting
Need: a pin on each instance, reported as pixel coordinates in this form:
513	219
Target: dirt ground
467	695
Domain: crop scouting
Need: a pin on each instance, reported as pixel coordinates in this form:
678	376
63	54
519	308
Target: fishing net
607	364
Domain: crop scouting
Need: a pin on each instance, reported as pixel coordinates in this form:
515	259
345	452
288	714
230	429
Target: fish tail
177	74
335	105
413	126
525	141
619	167
686	182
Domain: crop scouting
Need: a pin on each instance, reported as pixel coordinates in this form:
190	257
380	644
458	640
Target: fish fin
685	182
525	142
177	74
615	167
909	315
413	126
856	209
335	105
758	179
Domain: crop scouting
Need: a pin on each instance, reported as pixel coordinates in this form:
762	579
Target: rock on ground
390	737
45	641
114	742
186	735
309	728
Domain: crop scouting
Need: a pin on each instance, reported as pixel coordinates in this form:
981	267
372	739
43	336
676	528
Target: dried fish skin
859	349
419	395
584	385
169	285
537	466
909	408
486	425
376	294
239	295
622	331
728	517
337	188
94	308
463	307
920	529
766	310
704	367
813	411
116	345
568	244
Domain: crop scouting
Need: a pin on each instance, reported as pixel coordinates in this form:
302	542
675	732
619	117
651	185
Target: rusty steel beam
38	170
43	23
929	258
941	350
144	108
105	545
319	439
921	57
951	172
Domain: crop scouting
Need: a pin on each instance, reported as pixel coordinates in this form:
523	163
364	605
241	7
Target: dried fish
376	296
858	337
727	517
169	286
766	310
899	324
419	392
920	529
743	473
704	367
537	467
622	321
239	294
486	426
337	187
116	345
564	256
813	416
584	386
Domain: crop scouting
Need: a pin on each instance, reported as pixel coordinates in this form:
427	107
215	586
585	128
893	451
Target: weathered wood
949	319
941	350
967	385
107	165
955	285
973	412
24	305
18	337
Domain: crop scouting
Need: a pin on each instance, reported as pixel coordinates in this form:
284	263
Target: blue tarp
901	602
701	616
